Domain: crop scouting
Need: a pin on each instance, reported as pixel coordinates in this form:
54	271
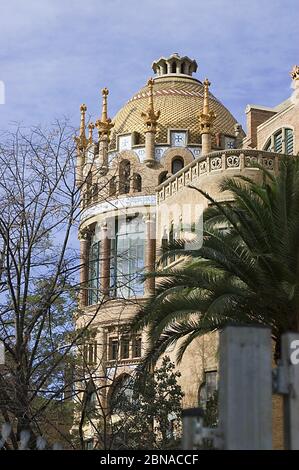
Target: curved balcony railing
235	159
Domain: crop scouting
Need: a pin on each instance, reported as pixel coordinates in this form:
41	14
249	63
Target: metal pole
245	389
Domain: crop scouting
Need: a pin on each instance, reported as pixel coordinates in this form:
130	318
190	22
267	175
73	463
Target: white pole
290	362
245	389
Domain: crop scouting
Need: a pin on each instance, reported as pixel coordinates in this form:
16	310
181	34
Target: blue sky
56	54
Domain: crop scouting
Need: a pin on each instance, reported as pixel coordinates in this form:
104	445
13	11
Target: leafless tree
39	210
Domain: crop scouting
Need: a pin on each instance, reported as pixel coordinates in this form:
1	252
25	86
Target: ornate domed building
134	182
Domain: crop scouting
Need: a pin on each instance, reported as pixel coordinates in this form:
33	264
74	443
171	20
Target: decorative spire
207	116
90	129
295	72
104	125
82	140
150	116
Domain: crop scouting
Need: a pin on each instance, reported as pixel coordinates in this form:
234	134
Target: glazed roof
179	97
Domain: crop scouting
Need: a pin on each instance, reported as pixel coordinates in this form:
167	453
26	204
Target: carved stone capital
85	233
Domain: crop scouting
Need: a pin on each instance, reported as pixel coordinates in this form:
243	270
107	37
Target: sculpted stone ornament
207	115
81	140
295	72
151	117
85	233
90	130
104	125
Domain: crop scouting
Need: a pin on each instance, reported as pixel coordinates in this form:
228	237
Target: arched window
177	164
137	183
162	177
282	141
122	395
173	67
183	67
124	177
93	271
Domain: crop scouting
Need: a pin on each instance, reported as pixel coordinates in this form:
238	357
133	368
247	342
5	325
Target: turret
206	119
174	64
150	118
104	126
82	143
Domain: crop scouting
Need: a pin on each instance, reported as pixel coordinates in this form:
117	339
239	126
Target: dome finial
174	64
150	116
104	125
206	85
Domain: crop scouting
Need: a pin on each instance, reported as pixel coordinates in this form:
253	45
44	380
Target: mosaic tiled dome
180	98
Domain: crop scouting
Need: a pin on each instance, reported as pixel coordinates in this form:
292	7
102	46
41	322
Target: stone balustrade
234	159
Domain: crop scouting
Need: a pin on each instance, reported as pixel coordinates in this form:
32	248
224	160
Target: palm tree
246	272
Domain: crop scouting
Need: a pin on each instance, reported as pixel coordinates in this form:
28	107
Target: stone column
103	153
105	260
150	118
206	143
84	249
150	252
79	168
149	147
206	119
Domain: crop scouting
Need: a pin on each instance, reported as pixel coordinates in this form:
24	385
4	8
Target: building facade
134	180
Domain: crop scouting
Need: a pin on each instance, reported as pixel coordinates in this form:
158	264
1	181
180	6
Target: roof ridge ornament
151	117
104	125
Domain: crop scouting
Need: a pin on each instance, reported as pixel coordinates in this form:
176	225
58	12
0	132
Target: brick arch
129	155
170	154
